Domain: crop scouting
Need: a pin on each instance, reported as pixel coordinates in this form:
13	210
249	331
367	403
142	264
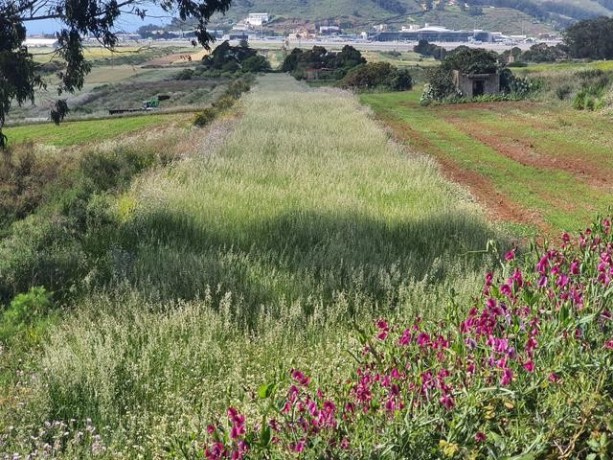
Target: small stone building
478	84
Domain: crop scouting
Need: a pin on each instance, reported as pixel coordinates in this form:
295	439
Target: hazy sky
127	22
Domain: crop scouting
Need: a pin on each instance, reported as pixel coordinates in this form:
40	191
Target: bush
185	74
224	103
205	117
27	308
378	75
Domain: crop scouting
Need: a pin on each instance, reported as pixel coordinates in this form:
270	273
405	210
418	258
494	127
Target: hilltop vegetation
363	12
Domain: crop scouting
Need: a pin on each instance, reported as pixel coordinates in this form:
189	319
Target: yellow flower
449	448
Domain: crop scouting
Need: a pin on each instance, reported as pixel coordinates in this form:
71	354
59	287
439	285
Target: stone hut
478	84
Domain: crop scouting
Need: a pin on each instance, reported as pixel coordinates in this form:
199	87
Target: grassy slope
558	134
305	217
362	13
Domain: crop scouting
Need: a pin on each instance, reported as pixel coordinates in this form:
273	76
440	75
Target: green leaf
265	391
266	436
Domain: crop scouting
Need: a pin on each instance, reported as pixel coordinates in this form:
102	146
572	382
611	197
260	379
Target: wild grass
284	226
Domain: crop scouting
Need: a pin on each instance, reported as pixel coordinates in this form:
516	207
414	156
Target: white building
257	19
35	42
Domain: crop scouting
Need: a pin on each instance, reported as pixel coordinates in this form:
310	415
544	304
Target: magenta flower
609	345
509	256
480	437
507	377
554	378
298	447
301	378
529	366
447	401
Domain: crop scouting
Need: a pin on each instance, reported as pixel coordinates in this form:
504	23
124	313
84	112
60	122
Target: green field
87	131
537	164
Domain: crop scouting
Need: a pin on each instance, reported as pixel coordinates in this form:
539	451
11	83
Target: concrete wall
472	85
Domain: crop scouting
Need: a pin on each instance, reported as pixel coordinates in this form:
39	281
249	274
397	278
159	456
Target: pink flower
345	443
575	267
383	329
509	256
480	437
406	338
210	429
447	401
609	345
554	378
529	366
298	447
507	377
423	340
300	378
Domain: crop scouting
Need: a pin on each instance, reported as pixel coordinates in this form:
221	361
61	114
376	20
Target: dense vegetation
98	18
328	64
164	299
591	39
234	58
526	373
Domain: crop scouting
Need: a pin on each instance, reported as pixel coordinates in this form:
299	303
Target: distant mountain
507	16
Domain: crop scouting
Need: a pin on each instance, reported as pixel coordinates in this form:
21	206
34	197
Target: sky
126	22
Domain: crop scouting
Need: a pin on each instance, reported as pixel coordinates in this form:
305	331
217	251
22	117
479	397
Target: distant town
255	28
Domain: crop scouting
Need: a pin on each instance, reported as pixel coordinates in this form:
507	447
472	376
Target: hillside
508	16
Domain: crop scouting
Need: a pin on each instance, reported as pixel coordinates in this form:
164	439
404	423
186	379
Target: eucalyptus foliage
79	18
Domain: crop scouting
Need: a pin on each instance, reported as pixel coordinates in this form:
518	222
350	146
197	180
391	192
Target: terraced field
534	164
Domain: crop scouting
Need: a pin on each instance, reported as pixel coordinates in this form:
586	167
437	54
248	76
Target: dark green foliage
440	85
18	79
205	117
336	65
79	19
378	75
256	64
62	235
393	6
236	58
541	52
430	50
592	39
471	60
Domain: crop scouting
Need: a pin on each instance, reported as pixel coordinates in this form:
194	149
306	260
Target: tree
592	39
96	18
374	75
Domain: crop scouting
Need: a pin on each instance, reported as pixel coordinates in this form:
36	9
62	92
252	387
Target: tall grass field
276	234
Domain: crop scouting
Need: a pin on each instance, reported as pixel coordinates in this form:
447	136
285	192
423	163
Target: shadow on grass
298	255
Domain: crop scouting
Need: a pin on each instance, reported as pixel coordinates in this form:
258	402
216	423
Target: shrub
224	102
205	117
185	74
378	75
26	308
